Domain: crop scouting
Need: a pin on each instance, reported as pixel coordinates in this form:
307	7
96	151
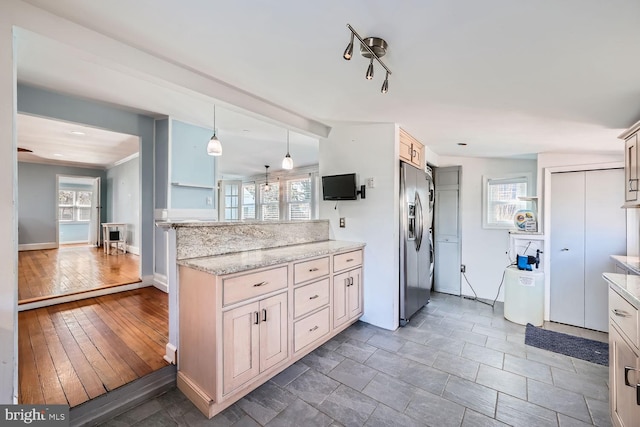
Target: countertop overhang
248	260
627	285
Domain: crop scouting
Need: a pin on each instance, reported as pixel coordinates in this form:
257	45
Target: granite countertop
248	260
627	285
630	262
212	223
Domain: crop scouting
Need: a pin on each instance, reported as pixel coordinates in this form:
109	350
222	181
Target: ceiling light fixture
266	177
287	162
214	147
373	48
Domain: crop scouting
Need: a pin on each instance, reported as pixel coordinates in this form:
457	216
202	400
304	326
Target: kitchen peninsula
254	297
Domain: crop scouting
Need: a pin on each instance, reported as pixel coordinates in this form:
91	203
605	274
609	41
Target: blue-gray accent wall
37	195
44	103
191	165
162	163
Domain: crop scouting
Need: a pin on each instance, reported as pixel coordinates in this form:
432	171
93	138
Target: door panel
273	331
240	346
567	248
447	231
605	225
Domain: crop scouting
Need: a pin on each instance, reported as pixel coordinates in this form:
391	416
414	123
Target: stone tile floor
457	363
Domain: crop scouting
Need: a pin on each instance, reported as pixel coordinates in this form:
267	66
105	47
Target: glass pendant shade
214	147
287	162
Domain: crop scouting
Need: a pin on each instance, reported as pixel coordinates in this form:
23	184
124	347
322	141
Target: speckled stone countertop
630	262
627	285
208	223
248	260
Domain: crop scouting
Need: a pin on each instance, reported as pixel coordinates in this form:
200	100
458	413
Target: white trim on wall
160	282
133	250
39	246
126	159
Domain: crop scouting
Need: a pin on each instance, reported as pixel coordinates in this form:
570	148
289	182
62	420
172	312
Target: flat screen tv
339	187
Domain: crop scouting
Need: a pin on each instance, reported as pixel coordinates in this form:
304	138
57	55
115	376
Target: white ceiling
508	78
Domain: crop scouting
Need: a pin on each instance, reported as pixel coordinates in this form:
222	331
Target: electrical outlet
463	268
209	200
342	222
371	183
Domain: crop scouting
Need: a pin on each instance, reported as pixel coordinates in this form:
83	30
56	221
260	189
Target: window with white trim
501	200
270	202
74	205
249	201
299	198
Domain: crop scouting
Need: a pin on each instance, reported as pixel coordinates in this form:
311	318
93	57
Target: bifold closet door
606	230
567	248
587	227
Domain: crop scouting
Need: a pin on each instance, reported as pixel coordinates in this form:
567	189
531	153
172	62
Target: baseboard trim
82	295
37	246
133	250
107	406
160	282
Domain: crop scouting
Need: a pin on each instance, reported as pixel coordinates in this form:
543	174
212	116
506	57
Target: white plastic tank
524	296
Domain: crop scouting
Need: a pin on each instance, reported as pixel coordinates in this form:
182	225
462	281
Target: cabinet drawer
309	270
348	260
250	285
309	297
624	315
310	329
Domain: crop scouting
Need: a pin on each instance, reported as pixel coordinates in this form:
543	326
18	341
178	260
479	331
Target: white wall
123	199
371	152
8	216
483	250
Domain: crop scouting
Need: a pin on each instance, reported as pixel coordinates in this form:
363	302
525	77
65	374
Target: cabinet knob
313	329
621	313
311	270
260	284
257	318
314	297
564	250
264	314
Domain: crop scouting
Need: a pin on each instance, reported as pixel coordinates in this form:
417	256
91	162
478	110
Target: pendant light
214	147
266	177
287	162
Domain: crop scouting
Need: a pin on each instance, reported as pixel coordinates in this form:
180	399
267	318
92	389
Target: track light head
370	70
348	52
385	84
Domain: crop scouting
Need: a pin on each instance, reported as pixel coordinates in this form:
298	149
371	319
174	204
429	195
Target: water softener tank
524	296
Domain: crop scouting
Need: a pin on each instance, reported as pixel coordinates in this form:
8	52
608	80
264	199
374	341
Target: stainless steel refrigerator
416	243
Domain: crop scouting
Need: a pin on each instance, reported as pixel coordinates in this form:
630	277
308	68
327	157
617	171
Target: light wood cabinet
239	330
624	362
631	168
347	296
411	150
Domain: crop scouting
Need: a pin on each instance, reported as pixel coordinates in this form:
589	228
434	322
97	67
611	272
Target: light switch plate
371	183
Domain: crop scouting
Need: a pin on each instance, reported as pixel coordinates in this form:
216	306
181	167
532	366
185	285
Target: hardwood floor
70	270
70	353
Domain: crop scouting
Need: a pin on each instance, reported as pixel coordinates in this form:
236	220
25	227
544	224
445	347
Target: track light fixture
373	48
214	147
287	162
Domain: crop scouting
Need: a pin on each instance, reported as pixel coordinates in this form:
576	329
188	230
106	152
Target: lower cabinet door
340	298
354	294
273	331
241	349
625	410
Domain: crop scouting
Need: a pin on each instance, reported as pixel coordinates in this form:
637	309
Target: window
249	201
231	199
501	200
270	202
74	205
299	199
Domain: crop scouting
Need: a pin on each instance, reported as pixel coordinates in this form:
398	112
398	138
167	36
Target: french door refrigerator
416	245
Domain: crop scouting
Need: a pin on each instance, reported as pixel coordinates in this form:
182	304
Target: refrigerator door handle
411	221
419	221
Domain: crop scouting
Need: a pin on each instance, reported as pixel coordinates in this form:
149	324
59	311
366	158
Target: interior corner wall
371	152
483	250
123	195
44	103
37	195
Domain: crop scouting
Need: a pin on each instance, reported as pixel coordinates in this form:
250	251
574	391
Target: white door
567	248
587	227
95	226
447	231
